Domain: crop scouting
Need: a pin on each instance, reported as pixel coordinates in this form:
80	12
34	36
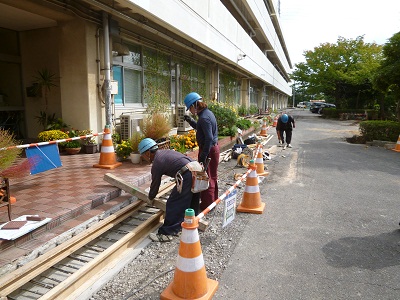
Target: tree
387	79
342	72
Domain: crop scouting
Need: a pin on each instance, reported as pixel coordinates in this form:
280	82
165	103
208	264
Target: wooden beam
125	186
142	195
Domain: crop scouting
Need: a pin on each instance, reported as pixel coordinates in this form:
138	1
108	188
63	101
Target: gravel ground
149	274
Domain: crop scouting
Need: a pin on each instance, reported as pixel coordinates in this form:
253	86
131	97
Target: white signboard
229	208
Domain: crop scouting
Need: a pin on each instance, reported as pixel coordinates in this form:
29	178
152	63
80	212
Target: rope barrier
228	191
52	142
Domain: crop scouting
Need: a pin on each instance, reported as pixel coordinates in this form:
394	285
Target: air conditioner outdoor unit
181	123
128	125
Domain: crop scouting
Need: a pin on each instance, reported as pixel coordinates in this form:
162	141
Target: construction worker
174	164
207	139
285	126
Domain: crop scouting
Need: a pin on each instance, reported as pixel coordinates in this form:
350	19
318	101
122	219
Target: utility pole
293	93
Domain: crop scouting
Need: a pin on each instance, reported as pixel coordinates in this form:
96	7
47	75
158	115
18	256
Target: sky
308	23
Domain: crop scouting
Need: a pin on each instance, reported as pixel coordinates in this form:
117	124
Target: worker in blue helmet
207	139
170	163
284	128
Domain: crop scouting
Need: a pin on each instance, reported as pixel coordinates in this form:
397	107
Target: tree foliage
342	72
387	79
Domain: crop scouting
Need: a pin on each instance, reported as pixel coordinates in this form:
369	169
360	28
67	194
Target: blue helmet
147	144
284	118
191	98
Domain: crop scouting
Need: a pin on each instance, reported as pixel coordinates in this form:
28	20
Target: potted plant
136	138
157	127
123	150
74	146
89	143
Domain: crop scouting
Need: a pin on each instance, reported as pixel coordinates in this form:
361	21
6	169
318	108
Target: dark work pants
288	135
210	195
177	203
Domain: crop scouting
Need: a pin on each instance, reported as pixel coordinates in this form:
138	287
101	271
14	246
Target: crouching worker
176	165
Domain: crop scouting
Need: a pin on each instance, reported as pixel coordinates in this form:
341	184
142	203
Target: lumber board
125	186
142	195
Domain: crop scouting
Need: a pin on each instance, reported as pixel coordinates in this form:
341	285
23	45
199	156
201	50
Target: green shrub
253	109
72	144
51	135
243	111
226	117
256	124
380	130
243	124
231	131
124	149
330	113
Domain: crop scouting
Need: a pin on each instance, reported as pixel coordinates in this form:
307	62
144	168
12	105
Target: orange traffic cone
264	128
251	202
397	148
260	162
275	121
108	158
190	278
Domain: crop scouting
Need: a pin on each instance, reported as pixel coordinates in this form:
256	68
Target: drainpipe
107	71
99	92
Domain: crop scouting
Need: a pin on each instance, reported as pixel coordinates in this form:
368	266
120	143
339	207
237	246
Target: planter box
164	145
90	149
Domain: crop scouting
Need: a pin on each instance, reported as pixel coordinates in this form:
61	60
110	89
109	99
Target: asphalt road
330	229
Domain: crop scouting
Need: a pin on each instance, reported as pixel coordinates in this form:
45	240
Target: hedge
380	130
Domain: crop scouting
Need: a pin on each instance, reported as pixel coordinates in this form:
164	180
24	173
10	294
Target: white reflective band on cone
189	236
190	264
107	149
252	189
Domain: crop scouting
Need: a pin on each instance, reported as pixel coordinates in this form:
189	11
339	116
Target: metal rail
60	272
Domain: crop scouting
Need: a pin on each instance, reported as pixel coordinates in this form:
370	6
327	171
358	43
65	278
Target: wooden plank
125	186
17	278
135	191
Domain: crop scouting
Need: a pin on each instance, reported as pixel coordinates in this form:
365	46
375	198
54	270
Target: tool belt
200	180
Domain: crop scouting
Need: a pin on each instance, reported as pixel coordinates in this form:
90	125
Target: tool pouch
200	180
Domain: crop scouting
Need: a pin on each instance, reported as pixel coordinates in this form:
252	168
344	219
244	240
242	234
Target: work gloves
187	118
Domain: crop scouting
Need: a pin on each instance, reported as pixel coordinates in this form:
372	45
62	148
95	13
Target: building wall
72	51
214	28
39	50
81	107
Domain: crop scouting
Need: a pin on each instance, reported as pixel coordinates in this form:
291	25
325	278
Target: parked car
301	105
317	107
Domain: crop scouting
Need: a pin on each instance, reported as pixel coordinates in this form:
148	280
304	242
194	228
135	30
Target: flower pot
135	158
73	150
90	148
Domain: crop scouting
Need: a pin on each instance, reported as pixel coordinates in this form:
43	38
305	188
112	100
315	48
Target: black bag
236	146
250	141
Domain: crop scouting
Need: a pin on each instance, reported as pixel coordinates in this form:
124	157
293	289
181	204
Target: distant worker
285	126
174	164
207	139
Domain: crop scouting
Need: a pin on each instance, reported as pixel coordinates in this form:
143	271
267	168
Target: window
229	89
127	72
253	96
193	78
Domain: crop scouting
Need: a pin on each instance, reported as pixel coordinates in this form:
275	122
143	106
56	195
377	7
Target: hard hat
191	98
284	118
147	144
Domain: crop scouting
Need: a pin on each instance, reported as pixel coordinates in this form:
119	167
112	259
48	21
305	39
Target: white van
301	105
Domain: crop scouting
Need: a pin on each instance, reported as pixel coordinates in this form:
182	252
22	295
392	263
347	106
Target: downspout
99	91
177	92
107	71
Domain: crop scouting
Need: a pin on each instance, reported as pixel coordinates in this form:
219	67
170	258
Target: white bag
200	182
